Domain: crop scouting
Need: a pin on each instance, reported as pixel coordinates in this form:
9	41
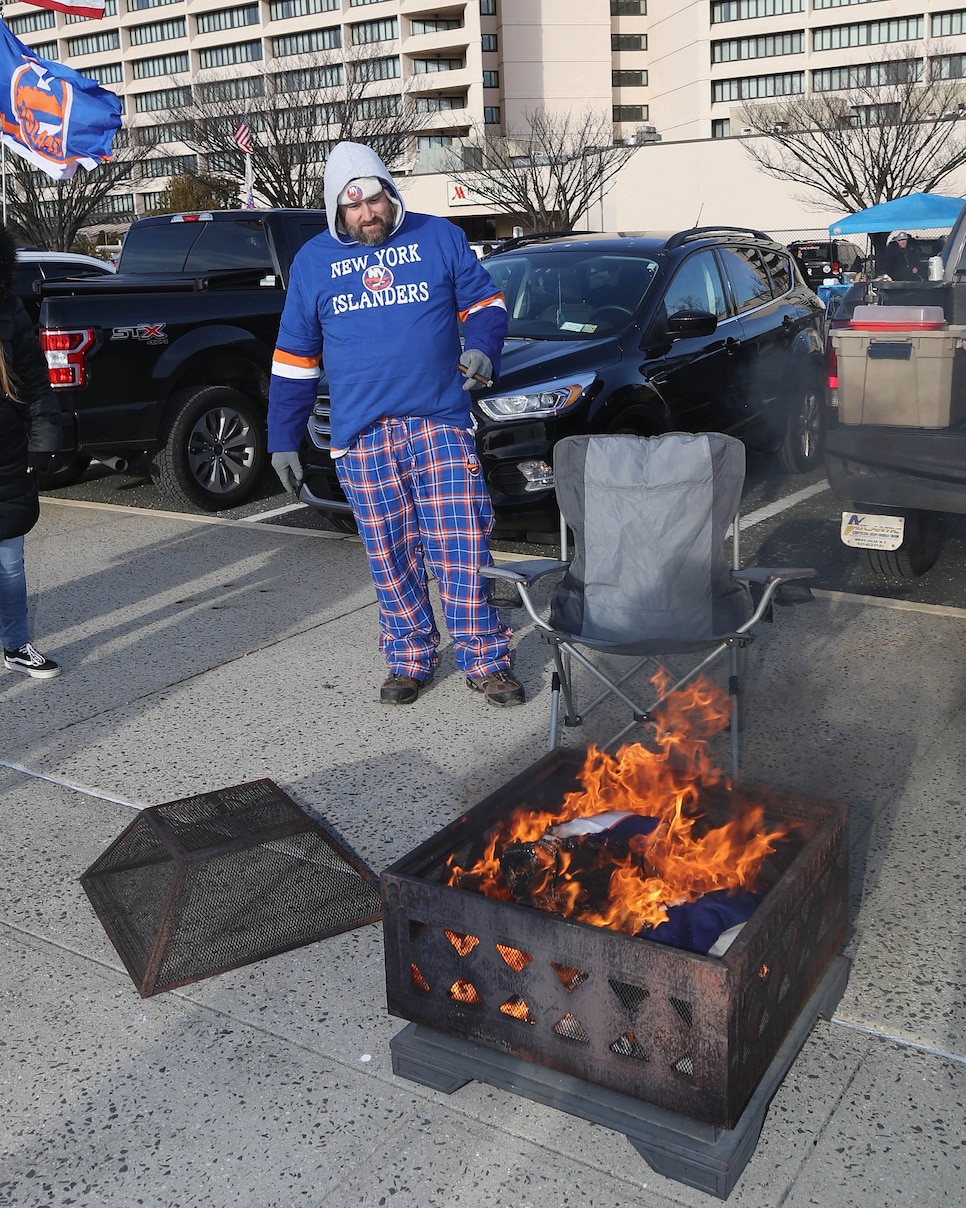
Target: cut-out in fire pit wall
689	1033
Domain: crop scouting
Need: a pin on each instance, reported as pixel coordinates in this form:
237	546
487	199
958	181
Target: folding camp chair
650	577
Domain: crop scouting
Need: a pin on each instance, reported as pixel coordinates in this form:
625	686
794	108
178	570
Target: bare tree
549	174
893	130
197	191
48	213
295	116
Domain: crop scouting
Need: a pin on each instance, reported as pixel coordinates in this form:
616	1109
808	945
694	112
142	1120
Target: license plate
863	530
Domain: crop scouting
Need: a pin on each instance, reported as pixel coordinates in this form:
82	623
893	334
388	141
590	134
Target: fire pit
624	1019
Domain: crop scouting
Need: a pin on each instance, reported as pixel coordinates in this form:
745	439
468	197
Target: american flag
77	8
243	136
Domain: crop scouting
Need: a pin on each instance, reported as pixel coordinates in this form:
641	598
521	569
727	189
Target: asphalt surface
793	521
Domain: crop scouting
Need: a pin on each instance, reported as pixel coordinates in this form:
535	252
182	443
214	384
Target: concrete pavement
201	653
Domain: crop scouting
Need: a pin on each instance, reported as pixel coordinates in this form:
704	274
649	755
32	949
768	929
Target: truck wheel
67	468
803	445
212	448
921	543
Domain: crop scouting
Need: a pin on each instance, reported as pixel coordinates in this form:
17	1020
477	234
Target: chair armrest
527	572
780	574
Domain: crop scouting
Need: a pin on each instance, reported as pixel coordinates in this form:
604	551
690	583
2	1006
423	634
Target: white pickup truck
896	436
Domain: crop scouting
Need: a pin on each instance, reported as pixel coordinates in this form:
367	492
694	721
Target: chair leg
736	689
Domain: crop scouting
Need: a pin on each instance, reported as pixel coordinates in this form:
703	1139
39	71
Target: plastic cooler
902	366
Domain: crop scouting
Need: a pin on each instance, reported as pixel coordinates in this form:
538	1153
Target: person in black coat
901	260
30	434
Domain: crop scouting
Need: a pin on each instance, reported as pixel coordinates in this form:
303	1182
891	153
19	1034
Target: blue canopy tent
916	212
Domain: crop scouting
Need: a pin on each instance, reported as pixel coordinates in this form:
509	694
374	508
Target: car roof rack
515	241
706	231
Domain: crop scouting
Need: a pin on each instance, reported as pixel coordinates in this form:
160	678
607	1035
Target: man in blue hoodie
379	298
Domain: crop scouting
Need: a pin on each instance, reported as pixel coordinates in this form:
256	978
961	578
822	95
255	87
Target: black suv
820	259
710	329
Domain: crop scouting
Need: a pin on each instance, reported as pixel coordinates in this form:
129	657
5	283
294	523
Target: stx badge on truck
147	333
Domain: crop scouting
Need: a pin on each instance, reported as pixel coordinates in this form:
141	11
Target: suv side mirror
691	323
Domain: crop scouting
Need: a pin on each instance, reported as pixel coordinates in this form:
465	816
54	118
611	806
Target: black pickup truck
171	356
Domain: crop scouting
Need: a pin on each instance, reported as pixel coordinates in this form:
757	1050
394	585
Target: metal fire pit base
688	1151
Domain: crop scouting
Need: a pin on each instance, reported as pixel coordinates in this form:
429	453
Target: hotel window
487	8
303	44
436	25
491	79
227	18
169	165
428	66
116	203
281	10
628	79
948	67
721	127
748	10
375	31
489	42
491	115
377	69
163	65
628	8
867	75
151	201
92	44
630	113
138	6
33	23
48	50
159	31
167	132
437	104
107	73
870	33
753	88
946	24
232	90
311	78
165	98
628	41
226	56
765	47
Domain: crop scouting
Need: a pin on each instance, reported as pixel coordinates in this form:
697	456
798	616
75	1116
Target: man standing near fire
379	297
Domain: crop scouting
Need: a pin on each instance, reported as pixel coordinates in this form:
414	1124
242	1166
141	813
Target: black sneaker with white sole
29	661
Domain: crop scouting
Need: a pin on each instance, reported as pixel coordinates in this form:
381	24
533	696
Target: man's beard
376	232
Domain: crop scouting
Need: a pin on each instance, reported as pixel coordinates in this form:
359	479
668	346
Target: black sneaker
400	690
29	661
499	688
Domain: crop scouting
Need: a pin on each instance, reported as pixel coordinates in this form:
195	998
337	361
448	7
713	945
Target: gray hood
346	162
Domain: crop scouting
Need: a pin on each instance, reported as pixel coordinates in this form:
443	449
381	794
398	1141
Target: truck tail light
832	372
66	353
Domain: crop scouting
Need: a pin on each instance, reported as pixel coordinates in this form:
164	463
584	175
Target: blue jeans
13	595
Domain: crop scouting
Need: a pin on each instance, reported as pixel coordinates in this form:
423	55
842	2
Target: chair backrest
649	518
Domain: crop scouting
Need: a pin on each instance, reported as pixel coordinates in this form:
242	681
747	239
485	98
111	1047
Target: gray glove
289	470
477	368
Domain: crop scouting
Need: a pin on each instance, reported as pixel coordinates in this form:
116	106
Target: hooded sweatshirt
383	318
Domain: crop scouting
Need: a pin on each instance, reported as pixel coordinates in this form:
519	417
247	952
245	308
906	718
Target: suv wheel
213	448
803	445
636	421
921	543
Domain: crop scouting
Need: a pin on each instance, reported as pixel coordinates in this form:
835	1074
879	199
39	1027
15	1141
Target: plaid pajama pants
419	500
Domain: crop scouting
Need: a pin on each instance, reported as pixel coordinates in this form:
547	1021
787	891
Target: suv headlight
548	398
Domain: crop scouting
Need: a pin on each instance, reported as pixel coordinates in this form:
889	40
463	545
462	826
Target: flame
679	861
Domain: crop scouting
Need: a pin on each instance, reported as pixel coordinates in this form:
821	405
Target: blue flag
54	117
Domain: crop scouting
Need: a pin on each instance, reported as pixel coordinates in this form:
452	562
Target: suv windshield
583	295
